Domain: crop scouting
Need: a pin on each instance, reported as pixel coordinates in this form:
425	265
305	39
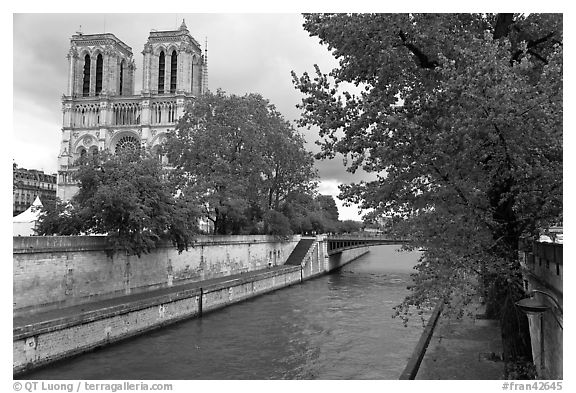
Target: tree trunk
505	289
514	330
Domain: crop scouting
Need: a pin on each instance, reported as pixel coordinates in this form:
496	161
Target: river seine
337	326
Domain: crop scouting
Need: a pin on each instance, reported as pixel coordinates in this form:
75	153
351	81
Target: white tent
24	223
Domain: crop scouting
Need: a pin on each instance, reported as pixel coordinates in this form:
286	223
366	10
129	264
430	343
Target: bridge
337	244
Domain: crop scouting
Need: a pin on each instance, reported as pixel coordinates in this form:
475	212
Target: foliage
240	159
520	370
328	206
57	219
460	116
127	198
275	223
308	214
298	210
350	226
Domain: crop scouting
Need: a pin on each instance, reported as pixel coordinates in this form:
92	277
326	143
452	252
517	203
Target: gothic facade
100	109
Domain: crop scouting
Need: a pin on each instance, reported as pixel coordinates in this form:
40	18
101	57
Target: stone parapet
34	244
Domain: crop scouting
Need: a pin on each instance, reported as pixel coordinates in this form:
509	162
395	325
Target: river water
337	326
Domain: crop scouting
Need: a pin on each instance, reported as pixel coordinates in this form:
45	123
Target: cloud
335	169
37	149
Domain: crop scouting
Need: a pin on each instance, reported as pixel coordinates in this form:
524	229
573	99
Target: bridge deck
338	244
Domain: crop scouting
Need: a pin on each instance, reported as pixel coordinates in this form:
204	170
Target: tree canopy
128	198
328	206
308	213
460	116
241	160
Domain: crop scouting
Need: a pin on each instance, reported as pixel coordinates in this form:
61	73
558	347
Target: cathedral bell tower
100	66
101	110
173	63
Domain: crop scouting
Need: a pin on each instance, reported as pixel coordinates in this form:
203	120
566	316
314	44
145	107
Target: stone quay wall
58	271
338	260
43	343
543	270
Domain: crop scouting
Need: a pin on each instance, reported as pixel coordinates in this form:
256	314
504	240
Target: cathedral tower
100	108
99	64
173	63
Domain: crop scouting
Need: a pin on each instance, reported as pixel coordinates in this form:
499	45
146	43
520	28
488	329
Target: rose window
127	144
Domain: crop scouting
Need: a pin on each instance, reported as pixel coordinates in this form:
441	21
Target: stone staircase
299	252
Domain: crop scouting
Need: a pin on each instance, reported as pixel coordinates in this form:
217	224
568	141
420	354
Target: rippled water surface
338	326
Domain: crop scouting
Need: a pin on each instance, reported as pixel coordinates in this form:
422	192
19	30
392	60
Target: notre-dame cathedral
100	108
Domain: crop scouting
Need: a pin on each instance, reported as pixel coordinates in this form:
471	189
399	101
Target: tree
460	116
57	219
350	226
308	213
297	210
240	159
328	206
275	223
288	166
127	198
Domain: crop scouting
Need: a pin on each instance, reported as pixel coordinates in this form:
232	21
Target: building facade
100	109
27	184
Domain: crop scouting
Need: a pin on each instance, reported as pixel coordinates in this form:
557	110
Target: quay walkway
81	313
464	349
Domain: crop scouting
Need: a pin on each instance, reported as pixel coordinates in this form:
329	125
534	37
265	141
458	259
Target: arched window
84	117
173	71
121	77
99	64
86	80
192	74
126	144
161	69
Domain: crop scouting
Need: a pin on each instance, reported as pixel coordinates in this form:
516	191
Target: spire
183	25
205	67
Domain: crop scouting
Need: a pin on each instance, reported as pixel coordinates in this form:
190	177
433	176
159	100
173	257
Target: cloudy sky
246	53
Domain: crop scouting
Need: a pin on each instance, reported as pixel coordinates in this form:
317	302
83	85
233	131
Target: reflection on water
338	326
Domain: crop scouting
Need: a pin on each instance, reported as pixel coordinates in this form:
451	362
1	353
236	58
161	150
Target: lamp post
532	306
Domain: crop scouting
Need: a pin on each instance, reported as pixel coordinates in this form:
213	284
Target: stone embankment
46	332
